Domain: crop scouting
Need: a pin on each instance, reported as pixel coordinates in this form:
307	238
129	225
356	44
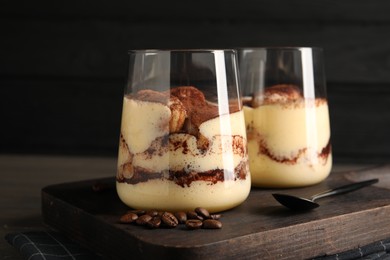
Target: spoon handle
344	189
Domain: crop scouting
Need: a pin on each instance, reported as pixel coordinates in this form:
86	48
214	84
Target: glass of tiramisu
183	138
286	114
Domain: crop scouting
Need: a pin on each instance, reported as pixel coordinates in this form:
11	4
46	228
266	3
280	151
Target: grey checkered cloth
377	250
41	245
54	246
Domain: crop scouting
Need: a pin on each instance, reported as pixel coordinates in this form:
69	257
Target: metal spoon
297	203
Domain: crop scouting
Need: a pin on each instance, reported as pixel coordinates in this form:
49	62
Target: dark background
63	64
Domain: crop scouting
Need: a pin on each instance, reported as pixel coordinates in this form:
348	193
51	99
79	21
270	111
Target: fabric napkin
37	245
377	250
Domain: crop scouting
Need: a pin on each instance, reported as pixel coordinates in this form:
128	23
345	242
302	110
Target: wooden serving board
259	228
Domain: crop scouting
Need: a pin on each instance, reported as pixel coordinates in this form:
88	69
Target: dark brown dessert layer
263	149
183	178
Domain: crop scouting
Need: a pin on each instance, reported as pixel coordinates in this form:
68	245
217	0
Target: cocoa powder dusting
176	145
198	108
183	178
151	96
238	145
158	147
141	175
263	149
241	171
326	151
185	147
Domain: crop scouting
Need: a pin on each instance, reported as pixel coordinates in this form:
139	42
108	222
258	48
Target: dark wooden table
21	181
23	177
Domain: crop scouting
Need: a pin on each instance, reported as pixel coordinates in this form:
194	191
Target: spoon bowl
298	203
295	203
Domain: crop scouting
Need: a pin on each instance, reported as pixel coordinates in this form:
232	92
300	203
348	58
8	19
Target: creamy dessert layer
175	144
288	138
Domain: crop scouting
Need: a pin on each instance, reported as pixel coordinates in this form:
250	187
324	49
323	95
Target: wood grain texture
23	177
258	228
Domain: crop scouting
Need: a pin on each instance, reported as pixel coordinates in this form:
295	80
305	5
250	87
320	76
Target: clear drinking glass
183	138
286	114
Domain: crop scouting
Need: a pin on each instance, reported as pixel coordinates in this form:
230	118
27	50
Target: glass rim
197	50
280	48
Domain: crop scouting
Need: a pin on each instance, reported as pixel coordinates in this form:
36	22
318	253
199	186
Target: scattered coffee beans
128	218
212	224
142	220
152	213
194	224
202	212
169	219
155	222
181	217
196	219
192	215
215	216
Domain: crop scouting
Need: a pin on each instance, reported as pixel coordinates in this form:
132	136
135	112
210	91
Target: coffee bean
202	212
212	224
142	220
215	216
195	219
128	218
155	222
193	224
193	215
152	213
169	219
181	217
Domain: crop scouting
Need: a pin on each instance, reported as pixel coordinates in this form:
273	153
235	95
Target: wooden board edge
331	235
72	222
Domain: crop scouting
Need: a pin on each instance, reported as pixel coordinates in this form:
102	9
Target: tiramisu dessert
178	152
288	137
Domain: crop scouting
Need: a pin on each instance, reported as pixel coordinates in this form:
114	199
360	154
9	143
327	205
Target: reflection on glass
183	138
286	114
